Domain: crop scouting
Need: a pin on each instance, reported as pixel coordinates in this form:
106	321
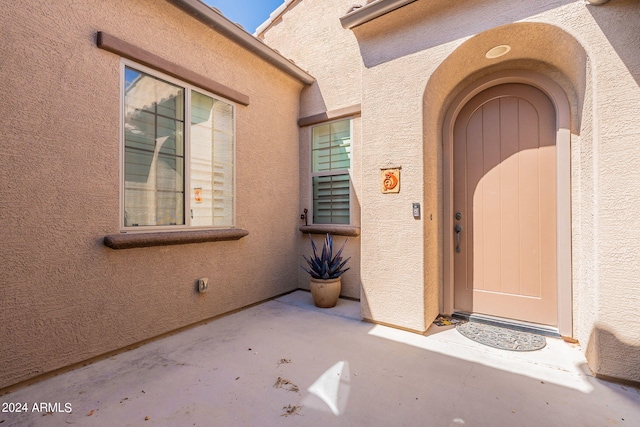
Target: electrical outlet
203	284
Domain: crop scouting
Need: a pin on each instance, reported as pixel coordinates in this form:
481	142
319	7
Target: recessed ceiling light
498	51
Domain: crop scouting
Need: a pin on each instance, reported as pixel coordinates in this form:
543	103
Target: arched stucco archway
541	55
563	184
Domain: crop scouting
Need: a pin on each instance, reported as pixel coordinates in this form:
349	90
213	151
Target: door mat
505	339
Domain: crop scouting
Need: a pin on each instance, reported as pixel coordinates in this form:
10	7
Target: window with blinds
331	160
178	154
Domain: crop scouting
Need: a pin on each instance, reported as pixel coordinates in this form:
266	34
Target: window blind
331	160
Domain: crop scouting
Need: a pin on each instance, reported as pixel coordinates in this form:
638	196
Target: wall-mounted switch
203	284
416	210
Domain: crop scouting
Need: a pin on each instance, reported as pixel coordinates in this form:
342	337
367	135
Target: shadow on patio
286	362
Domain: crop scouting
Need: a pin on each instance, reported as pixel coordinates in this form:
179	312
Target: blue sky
248	13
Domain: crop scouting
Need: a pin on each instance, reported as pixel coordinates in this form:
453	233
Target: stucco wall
64	296
613	334
330	54
310	33
581	47
413	62
351	279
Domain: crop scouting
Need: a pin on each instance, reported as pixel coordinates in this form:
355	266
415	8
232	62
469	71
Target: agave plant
326	266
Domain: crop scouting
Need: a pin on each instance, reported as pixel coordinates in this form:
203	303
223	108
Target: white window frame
187	152
331	173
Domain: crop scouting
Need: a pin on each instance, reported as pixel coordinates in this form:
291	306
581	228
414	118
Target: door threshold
516	325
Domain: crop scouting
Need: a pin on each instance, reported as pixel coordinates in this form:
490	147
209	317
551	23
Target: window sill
338	230
144	240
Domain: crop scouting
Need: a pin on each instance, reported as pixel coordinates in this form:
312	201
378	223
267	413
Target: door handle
458	230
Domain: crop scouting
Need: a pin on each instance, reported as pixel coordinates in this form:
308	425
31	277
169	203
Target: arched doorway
507	200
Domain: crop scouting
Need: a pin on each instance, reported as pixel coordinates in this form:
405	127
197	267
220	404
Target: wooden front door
504	189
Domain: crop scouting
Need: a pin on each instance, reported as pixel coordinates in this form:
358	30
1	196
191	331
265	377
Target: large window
178	154
331	160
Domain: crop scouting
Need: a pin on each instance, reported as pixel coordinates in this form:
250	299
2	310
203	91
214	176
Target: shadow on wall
612	359
623	38
311	100
553	53
431	24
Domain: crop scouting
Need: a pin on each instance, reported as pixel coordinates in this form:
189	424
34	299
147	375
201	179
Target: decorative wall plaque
197	195
390	180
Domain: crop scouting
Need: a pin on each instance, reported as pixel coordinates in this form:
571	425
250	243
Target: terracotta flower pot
325	292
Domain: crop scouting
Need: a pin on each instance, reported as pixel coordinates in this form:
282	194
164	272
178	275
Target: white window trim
331	173
187	152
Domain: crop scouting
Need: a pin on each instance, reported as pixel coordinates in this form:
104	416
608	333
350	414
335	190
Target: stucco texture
580	47
327	52
413	62
351	284
64	296
310	33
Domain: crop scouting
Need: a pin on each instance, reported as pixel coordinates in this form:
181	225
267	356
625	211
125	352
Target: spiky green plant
326	266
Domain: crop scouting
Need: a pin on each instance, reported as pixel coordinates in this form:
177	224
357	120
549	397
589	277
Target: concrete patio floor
285	362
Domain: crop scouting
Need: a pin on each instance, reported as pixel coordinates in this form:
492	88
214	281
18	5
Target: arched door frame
563	169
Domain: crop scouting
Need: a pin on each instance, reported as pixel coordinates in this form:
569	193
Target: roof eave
224	26
273	17
378	8
371	11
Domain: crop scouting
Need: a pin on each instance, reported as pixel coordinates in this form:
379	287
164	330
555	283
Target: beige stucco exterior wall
414	61
330	54
64	296
612	333
351	279
310	33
